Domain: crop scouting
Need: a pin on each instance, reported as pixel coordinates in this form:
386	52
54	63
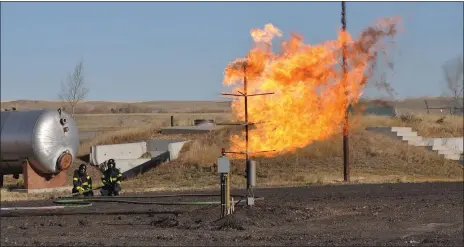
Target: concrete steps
449	148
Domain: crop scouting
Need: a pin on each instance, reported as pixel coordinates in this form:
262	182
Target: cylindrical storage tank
48	139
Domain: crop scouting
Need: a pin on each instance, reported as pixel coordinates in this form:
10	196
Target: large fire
308	83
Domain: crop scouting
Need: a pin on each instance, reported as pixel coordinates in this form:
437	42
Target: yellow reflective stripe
119	175
88	177
85	183
75	179
118	182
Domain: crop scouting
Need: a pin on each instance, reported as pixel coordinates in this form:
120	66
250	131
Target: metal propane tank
48	139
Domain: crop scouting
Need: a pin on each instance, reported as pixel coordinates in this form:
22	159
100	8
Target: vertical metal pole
223	193
346	154
250	197
245	87
427	106
228	211
172	121
246	111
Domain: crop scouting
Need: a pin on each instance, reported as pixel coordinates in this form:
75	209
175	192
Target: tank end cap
64	161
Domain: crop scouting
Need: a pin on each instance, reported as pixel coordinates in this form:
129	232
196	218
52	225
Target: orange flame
310	97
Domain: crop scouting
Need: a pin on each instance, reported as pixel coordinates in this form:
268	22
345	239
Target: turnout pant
111	190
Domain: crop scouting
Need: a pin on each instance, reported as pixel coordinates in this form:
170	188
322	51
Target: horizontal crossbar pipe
231	94
240	124
261	122
267	151
246	95
258	94
227	152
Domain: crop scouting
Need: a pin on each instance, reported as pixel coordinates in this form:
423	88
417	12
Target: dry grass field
106	107
374	158
413	105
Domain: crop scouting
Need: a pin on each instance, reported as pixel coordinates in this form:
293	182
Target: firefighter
82	181
111	180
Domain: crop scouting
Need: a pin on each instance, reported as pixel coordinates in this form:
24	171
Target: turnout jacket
82	181
111	176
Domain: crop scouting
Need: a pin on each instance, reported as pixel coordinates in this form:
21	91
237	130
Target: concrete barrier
174	149
160	145
128	155
140	167
102	153
127	164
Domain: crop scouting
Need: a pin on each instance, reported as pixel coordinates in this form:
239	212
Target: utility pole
346	153
245	92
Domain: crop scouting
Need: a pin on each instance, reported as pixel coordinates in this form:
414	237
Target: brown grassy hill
87	107
411	105
374	158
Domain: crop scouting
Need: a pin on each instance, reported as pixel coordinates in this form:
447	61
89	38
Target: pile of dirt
165	222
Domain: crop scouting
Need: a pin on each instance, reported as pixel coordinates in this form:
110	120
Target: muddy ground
429	214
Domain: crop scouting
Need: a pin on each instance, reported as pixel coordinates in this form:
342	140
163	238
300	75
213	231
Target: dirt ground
428	214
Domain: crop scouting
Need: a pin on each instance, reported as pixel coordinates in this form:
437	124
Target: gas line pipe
73	202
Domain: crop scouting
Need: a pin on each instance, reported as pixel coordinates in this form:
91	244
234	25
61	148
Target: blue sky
178	51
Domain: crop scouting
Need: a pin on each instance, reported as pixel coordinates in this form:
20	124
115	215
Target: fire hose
73	202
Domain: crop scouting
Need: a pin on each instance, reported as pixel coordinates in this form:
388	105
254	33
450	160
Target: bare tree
453	72
74	91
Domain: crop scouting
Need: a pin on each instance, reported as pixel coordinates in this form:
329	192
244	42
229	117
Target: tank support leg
1	180
34	180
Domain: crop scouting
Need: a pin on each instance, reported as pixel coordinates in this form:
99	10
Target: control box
223	165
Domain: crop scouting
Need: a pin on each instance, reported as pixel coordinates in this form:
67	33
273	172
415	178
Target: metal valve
63	121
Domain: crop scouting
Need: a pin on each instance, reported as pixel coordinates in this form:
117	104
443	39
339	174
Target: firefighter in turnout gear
111	180
82	181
